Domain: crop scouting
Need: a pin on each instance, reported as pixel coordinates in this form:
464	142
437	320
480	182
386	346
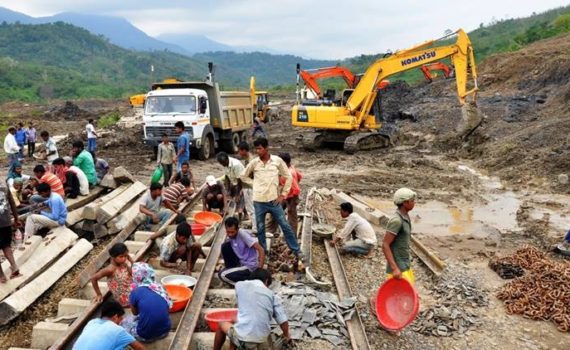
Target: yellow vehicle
261	102
350	121
137	100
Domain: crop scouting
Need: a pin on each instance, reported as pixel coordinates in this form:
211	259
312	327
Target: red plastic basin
180	296
397	304
207	218
198	229
225	315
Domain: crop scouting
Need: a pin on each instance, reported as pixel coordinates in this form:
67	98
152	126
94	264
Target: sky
328	29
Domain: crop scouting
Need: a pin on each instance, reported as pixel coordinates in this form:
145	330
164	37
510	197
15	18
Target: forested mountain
63	61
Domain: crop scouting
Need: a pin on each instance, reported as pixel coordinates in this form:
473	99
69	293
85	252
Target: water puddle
496	213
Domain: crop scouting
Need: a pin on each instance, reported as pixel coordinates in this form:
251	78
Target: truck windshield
170	104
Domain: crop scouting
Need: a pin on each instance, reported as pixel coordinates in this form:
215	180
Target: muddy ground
500	189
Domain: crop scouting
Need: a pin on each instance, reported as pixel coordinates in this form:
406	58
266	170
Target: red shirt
54	183
295	188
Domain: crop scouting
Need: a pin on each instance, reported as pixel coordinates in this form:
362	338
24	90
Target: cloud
318	28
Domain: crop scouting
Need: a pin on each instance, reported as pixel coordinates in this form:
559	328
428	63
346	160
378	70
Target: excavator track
366	141
313	141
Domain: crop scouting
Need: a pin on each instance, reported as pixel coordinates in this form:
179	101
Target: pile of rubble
543	293
69	111
457	299
318	315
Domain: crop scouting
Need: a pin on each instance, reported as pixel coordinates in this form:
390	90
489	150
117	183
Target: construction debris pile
320	315
457	299
543	293
69	111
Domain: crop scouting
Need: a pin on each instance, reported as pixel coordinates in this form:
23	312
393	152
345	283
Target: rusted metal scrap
543	293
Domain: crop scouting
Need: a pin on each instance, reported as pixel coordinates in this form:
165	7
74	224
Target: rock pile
457	299
543	293
318	315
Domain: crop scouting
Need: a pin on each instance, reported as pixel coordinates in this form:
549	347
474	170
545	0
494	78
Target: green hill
63	61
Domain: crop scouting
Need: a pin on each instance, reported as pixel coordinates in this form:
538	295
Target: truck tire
231	146
207	150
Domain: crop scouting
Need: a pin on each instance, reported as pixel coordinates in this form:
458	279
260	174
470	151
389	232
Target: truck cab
212	118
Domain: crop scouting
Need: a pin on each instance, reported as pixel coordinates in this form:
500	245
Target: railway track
187	326
189	329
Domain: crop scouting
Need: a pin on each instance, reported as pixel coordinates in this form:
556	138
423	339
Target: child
118	274
180	245
150	304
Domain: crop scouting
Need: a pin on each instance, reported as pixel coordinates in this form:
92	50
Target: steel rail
185	330
77	326
358	338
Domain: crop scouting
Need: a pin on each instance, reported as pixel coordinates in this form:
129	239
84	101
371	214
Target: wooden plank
121	175
74	203
185	330
100	230
110	209
102	258
75	328
121	221
15	304
364	209
90	210
21	256
108	181
358	338
40	260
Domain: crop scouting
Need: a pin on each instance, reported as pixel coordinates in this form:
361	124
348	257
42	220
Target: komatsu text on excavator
351	120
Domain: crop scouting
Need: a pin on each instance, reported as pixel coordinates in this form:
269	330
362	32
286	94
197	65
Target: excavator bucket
471	119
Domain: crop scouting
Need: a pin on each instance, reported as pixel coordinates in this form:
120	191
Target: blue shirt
242	246
58	209
102	334
154	320
183	142
257	305
20	136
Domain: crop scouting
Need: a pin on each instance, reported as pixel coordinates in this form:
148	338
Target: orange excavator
310	77
427	69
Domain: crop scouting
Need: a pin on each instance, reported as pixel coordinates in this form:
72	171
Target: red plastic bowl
180	296
397	304
225	315
198	229
207	218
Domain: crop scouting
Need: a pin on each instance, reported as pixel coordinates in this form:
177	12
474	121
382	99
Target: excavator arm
310	77
461	52
428	68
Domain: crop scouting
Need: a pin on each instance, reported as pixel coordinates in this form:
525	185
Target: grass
109	120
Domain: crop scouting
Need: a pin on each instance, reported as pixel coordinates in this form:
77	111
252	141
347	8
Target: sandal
16	274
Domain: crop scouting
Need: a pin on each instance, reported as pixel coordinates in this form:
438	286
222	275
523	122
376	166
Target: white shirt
233	170
50	147
83	182
10	144
90	131
360	226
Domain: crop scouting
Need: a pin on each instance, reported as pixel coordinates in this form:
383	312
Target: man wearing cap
214	196
396	245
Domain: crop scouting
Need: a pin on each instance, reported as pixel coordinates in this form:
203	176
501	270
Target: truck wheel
231	146
207	149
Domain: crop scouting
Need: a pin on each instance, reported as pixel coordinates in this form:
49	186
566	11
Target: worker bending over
358	235
242	253
257	306
180	245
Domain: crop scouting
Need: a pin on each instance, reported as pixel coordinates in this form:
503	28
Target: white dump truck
214	119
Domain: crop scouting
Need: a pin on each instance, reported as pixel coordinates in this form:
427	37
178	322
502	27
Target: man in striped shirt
46	177
177	192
